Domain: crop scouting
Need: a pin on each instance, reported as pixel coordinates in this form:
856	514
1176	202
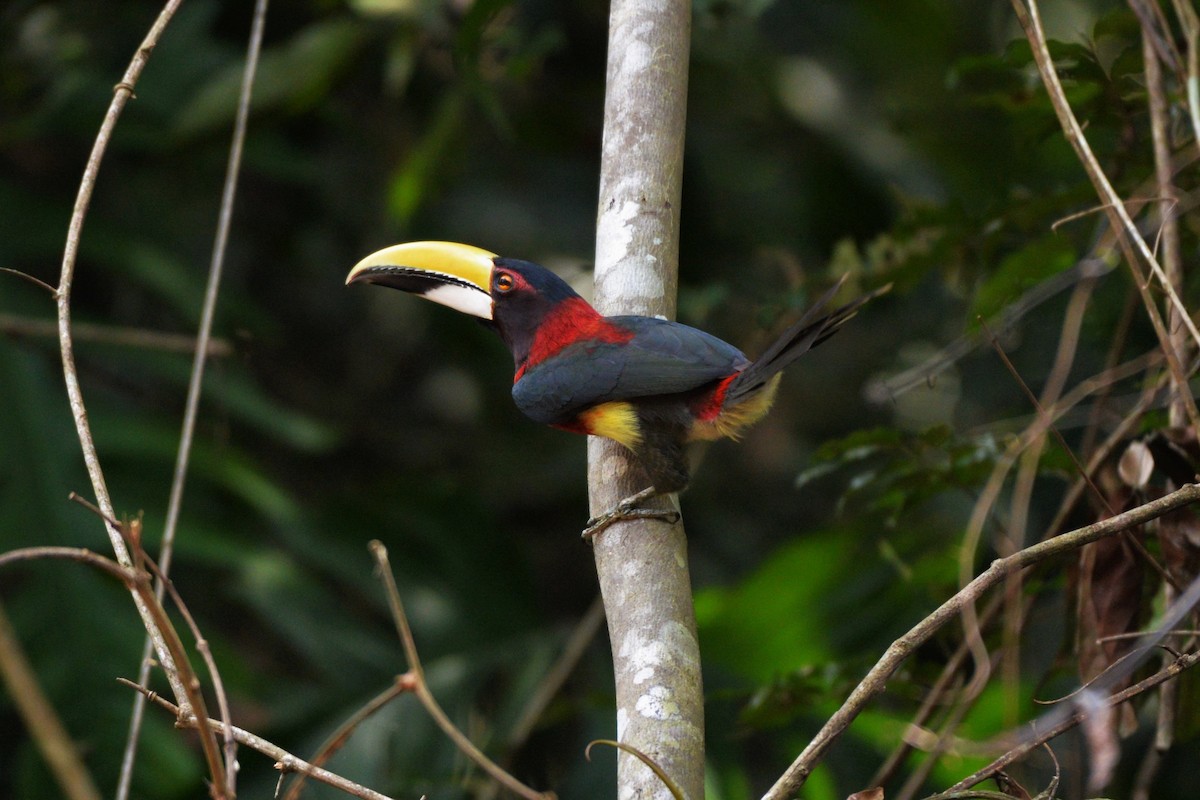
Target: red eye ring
505	282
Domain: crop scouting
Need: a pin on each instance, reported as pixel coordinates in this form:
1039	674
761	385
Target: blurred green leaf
1021	271
291	78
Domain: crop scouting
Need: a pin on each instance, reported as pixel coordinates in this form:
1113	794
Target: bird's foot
628	509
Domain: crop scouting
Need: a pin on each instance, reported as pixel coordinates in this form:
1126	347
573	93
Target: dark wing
662	358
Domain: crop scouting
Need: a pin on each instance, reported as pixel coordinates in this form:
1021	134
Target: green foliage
893	473
292	78
1021	271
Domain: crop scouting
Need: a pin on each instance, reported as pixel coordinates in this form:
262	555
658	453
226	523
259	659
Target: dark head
515	297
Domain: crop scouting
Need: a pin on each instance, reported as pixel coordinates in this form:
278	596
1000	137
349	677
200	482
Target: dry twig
192	405
52	739
577	643
420	688
121	95
18	326
336	740
876	679
1045	734
138	582
1133	246
932	699
285	762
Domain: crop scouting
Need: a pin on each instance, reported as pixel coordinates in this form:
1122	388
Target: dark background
904	141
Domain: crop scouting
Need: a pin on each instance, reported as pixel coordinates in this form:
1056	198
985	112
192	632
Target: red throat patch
573	320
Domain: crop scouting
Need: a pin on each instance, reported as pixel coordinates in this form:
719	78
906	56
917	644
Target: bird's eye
505	282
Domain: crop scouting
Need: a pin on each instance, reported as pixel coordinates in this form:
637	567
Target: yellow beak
455	275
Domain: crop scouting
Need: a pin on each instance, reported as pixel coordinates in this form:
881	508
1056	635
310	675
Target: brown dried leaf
1136	465
1009	786
1179	539
1110	602
1176	453
868	794
1118	496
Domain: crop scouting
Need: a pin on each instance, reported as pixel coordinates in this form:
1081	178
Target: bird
651	384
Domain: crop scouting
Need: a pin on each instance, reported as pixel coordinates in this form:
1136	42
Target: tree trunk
642	564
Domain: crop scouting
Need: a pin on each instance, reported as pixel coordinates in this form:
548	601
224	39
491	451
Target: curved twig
46	729
402	685
121	95
25	276
284	761
137	578
658	771
875	680
1133	245
81	554
1044	735
191	410
422	692
14	325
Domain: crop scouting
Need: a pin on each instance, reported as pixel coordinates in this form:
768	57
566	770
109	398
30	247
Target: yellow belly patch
616	420
733	420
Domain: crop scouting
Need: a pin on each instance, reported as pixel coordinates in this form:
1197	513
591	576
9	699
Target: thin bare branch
1172	257
1143	634
187	675
121	95
285	762
875	680
403	684
423	693
206	654
399	617
971	795
81	554
1045	734
1133	245
192	406
14	325
139	583
25	276
45	727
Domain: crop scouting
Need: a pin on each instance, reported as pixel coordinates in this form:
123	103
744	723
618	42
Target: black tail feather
808	332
